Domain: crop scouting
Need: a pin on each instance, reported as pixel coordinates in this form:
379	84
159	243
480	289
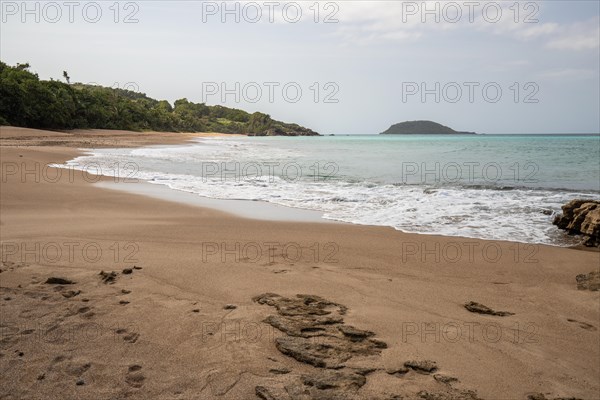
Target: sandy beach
182	317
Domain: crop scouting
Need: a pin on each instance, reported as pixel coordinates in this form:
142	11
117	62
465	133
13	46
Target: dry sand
164	331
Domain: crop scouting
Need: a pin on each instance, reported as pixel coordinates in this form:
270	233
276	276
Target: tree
27	101
259	122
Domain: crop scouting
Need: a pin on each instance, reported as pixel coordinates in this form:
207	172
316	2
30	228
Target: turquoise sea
505	187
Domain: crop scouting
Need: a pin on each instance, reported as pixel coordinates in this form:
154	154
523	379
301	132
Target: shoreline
265	211
237	207
403	287
247	209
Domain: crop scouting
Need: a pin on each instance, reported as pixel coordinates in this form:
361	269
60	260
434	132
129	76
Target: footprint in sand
131	338
134	377
583	325
78	369
59	359
11	266
268	264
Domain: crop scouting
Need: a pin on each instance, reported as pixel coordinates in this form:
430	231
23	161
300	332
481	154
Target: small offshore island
422	128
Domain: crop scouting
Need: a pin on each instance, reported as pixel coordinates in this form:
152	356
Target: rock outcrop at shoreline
589	281
286	130
581	217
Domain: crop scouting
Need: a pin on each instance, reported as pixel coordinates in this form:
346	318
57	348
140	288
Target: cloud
538	30
578	37
365	22
568	73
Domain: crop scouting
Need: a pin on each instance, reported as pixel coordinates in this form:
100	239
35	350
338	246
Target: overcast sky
360	65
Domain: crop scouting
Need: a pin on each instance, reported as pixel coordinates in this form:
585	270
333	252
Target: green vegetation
421	128
27	101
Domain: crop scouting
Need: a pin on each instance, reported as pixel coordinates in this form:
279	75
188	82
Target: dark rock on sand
342	356
424	366
265	394
316	331
303	304
59	281
230	307
280	371
127	271
307	351
306	327
581	217
316	335
590	281
380	344
397	371
453	395
364	371
444	378
335	380
71	293
108	277
356	335
324	385
481	309
541	396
